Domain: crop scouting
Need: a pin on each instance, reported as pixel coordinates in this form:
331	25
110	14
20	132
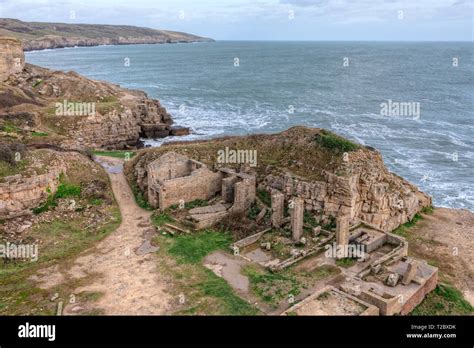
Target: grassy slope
202	292
61	241
36	30
445	299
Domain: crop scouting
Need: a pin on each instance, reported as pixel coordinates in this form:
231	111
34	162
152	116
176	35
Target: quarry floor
131	283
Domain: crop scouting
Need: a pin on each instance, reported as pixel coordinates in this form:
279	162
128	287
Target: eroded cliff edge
67	109
334	176
39	36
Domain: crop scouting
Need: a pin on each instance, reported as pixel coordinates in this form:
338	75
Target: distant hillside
38	35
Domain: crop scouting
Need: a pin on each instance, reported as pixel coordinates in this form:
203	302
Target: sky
380	20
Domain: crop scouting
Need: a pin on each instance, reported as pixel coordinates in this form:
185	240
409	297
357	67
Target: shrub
335	142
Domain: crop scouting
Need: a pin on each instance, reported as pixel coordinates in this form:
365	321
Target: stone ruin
174	179
384	280
12	58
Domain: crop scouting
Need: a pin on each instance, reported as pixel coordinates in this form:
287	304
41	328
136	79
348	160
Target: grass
116	154
218	288
444	300
345	262
265	197
139	197
403	230
196	204
37	83
309	219
161	219
39	134
7	169
64	190
60	242
272	287
9	127
205	293
335	142
193	248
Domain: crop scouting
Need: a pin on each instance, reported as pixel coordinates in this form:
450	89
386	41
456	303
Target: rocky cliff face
38	36
12	58
363	189
53	41
355	183
73	111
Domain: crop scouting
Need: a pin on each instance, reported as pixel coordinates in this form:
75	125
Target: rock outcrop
12	58
363	190
22	192
39	36
76	112
332	184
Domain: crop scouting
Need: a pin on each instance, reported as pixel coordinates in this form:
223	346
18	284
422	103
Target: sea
413	101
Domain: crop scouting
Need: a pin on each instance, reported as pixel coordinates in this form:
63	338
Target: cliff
38	36
333	176
67	109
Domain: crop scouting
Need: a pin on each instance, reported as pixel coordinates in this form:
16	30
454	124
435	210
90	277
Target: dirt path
447	237
127	274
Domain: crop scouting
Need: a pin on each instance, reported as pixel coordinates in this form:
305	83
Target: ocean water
226	88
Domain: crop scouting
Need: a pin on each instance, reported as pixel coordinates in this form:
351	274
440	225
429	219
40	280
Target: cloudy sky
443	20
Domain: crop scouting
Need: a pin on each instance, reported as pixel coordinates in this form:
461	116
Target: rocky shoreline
40	36
72	111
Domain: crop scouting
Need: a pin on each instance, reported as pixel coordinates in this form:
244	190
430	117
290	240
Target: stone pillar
410	272
278	208
12	58
297	218
342	231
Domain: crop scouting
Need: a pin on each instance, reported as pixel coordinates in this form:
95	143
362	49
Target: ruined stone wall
364	193
18	195
201	184
12	58
418	297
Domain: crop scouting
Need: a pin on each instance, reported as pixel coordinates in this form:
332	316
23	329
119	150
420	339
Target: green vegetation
60	242
253	211
7	169
139	197
403	229
64	190
346	262
331	224
218	288
335	142
204	292
428	210
272	287
309	219
444	300
39	134
9	127
161	219
196	203
192	248
265	197
115	154
37	83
